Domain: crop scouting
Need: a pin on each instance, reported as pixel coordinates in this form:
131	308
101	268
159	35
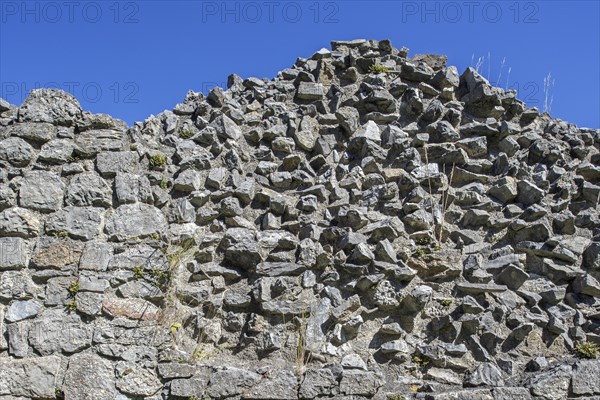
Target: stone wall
365	225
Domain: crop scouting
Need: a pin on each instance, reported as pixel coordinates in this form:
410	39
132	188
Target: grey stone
478	288
317	383
310	91
587	284
17	285
110	162
50	105
353	361
78	222
96	256
359	383
443	376
585	377
552	384
231	382
475	147
512	276
511	393
19	222
142	255
88	189
130	188
189	388
57	151
22	309
40	132
136	381
477	394
16	151
241	248
529	193
485	374
89	377
42	191
278	384
135	220
89	303
591	259
188	181
93	284
395	346
14	253
17	339
348	118
94	141
143	290
505	189
8	198
31	377
54	331
226	128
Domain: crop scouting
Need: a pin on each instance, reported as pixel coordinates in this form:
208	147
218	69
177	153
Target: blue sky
131	59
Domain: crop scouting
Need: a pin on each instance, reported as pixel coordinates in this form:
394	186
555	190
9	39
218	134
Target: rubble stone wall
364	225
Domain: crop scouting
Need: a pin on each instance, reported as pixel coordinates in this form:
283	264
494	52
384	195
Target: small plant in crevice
379	69
395	397
71	306
420	361
420	252
303	356
157	160
177	256
74	287
61	234
138	271
163	184
160	277
133	147
175	326
446	302
186	134
587	350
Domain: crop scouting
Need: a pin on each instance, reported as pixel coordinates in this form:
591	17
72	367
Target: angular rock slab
22	309
42	191
111	162
137	381
14	253
19	222
78	222
55	253
16	151
29	377
89	377
89	189
50	105
136	309
54	331
586	378
135	220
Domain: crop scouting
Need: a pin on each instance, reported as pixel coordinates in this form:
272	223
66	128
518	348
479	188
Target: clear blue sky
131	59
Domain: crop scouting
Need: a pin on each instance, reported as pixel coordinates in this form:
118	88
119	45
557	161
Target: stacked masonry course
342	231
